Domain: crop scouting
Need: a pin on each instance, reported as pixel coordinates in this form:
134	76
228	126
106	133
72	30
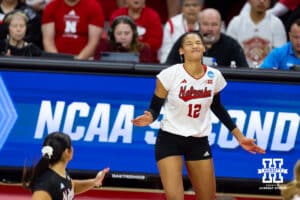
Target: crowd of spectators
220	48
234	31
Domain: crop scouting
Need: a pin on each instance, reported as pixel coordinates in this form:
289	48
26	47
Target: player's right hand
143	120
100	176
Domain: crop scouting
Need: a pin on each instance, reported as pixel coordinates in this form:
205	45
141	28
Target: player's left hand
249	145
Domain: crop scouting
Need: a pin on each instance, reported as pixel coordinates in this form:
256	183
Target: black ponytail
58	142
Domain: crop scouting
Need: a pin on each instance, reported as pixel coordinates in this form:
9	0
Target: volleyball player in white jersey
188	92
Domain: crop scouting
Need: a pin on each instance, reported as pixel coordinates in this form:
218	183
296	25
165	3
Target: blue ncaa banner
96	111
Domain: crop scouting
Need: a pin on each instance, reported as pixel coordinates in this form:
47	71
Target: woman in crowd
14	44
123	37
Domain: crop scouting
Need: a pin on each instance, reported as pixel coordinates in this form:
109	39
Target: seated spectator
291	191
220	47
148	22
123	37
33	33
72	27
14	44
176	26
288	55
286	10
257	31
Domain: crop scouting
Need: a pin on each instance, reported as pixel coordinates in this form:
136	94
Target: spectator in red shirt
72	27
148	22
123	37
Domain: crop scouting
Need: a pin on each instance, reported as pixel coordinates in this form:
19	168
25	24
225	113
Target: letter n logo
70	26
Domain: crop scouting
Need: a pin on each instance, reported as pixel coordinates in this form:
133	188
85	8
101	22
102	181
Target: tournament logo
272	170
8	114
210	74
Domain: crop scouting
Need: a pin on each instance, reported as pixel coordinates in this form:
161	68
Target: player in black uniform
49	179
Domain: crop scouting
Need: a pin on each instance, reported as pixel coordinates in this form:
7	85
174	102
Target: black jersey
30	50
59	188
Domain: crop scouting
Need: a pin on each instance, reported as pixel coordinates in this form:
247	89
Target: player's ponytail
53	148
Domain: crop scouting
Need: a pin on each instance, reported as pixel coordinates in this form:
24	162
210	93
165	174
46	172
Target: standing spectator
147	20
288	55
14	44
33	33
123	37
72	27
219	47
257	31
176	26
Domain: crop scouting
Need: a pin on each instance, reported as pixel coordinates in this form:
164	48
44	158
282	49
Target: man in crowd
287	56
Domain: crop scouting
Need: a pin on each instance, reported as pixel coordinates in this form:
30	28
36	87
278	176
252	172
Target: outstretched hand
100	176
250	146
143	120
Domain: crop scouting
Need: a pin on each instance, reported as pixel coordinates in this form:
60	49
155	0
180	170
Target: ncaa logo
272	170
210	74
8	114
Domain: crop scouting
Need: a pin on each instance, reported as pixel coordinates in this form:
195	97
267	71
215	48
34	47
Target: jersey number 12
194	110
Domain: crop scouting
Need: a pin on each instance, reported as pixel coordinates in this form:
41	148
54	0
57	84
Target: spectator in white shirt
176	26
257	31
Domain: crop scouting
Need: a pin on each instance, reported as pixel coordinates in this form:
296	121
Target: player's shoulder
172	68
170	72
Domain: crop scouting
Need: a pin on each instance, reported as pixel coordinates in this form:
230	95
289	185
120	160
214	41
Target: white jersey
187	106
259	39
